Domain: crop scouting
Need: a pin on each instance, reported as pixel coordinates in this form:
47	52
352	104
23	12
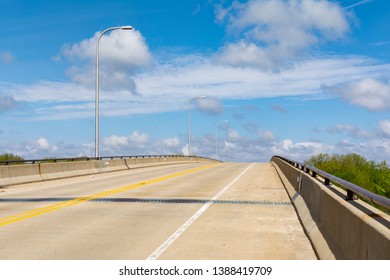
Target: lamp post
216	137
97	86
189	121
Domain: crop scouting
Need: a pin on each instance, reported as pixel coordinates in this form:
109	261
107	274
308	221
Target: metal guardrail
32	161
351	188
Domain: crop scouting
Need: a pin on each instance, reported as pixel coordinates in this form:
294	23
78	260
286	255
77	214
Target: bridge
185	208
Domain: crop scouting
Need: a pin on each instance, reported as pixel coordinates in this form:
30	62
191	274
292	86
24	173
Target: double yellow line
58	206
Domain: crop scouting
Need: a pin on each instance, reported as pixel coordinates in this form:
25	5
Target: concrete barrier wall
110	165
28	173
19	174
84	168
58	170
338	229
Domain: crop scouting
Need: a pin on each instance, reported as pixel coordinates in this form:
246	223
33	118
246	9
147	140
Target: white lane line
156	254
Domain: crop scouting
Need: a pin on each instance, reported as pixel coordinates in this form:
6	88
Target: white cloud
233	135
121	53
369	93
40	148
173	86
229	145
115	141
350	129
286	144
43	144
124	144
210	105
185	76
246	54
46	91
277	32
117	48
261	146
300	150
139	138
266	136
373	144
376	148
384	128
172	142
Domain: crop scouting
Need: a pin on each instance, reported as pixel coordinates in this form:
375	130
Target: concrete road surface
233	211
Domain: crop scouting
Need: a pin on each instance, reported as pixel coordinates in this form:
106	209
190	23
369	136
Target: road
228	211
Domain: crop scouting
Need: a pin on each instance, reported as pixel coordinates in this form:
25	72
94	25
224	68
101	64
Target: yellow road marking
61	205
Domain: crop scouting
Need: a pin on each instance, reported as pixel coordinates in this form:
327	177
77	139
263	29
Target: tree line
354	168
10	157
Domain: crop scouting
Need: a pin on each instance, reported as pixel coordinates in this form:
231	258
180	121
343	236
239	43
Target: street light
189	121
97	86
216	137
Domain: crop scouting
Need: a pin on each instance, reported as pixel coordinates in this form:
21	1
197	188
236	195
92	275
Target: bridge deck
191	211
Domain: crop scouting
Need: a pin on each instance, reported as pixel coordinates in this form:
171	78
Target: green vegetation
9	157
354	168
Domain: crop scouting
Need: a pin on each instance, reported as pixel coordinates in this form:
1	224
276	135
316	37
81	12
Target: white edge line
191	220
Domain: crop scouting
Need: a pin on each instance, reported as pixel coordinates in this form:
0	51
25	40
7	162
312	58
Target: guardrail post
350	195
327	182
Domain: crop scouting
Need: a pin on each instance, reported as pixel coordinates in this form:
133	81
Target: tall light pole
97	86
216	137
189	121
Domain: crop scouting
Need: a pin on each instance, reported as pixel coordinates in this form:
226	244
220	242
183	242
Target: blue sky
291	77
